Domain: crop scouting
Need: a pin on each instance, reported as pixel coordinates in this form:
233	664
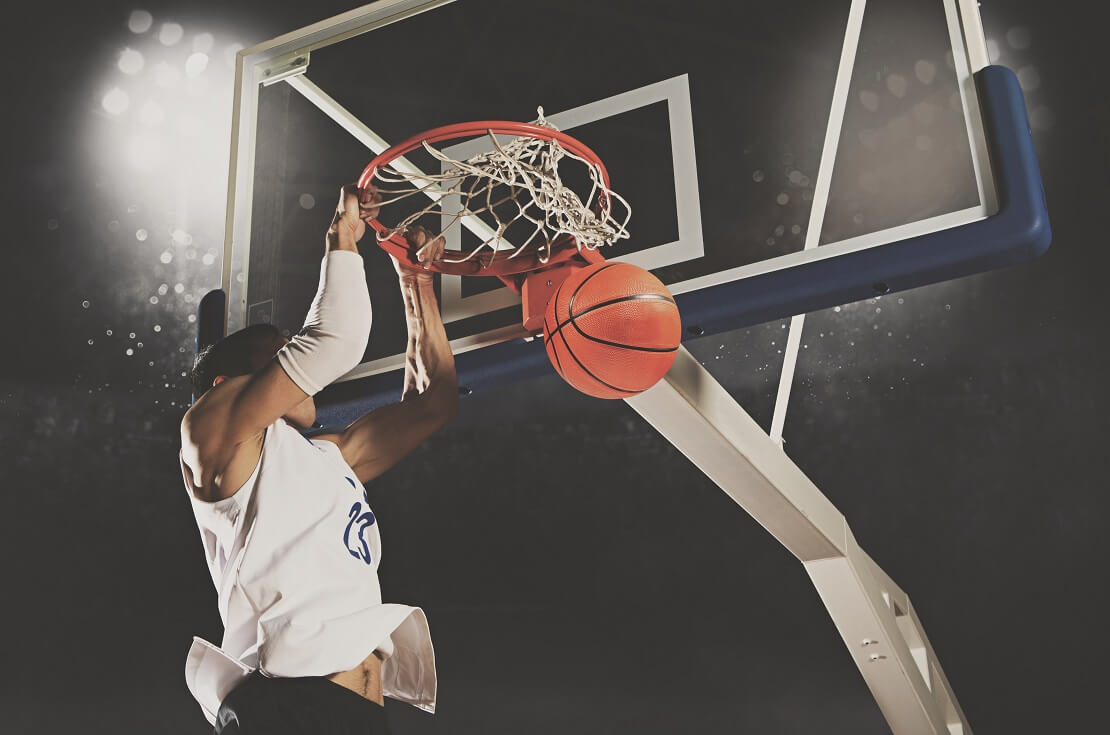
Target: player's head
242	353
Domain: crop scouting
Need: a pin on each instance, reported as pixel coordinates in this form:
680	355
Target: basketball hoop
515	184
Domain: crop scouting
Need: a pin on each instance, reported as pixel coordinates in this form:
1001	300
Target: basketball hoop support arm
874	616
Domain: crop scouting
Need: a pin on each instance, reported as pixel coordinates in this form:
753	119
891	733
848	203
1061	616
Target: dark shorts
299	706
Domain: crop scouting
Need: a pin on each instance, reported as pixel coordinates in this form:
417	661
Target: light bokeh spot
1019	37
196	64
140	21
170	34
116	101
203	42
131	61
151	113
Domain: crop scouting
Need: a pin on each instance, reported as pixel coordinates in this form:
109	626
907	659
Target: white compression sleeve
337	327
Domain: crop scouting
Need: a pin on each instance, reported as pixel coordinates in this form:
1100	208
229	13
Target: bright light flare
143	153
166	75
131	61
189	126
115	102
151	114
198	87
165	119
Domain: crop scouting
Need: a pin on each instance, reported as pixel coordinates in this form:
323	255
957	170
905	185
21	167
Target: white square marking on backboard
689	245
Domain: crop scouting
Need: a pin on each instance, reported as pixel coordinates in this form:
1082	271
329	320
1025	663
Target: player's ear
219	379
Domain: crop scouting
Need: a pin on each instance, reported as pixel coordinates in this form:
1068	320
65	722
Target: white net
516	190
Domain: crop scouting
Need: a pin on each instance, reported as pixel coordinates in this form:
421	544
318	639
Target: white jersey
294	555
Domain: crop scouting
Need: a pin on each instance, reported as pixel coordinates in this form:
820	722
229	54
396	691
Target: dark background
578	573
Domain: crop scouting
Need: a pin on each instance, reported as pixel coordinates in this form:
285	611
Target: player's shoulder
204	422
218	466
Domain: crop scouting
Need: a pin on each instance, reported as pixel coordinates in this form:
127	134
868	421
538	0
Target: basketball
612	330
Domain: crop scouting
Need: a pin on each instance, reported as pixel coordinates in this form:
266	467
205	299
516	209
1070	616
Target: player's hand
427	249
346	227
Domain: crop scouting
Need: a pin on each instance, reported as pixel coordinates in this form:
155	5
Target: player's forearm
429	364
337	327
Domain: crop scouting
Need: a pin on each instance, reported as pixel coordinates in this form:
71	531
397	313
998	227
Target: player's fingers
352	204
368	200
349	190
431	252
342	205
369	195
417	236
435	250
349	201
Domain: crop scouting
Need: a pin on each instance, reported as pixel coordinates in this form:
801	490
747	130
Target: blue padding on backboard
1018	232
497	365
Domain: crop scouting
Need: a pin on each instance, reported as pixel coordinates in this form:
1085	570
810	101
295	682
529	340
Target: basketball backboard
778	158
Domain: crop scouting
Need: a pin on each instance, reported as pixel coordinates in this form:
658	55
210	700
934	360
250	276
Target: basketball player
290	540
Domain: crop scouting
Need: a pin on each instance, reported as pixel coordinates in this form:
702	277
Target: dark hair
240	353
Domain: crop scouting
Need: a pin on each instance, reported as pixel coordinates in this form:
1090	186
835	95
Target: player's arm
378	440
331	343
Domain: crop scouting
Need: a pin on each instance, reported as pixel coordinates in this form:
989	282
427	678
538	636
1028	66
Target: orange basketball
612	330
